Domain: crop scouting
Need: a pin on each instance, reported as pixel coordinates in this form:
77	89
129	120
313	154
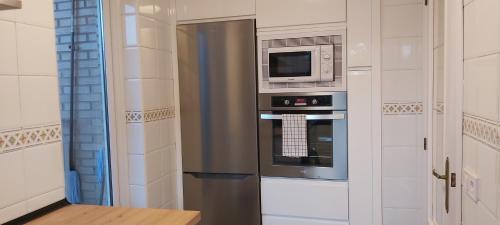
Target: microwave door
294	64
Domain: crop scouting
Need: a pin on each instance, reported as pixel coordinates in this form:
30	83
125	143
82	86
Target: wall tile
173	158
154	191
8	53
37	12
470	154
401	193
402	216
164	36
481	24
12	179
143	94
128	6
147	32
164	132
36	56
172	130
136	169
10	111
154	164
131	37
136	138
498	185
166	186
399	162
163	10
487	174
138	197
401	2
44	169
165	65
402	86
153	135
482	77
402	53
39	100
402	21
141	62
139	31
399	130
147	7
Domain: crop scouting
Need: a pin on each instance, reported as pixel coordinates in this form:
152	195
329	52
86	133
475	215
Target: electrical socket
471	185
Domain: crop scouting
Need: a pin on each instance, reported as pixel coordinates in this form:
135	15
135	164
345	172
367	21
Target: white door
446	111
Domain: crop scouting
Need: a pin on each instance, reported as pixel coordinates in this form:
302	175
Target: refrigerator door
217	82
223	199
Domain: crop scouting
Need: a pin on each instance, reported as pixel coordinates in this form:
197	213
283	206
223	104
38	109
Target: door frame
116	102
453	65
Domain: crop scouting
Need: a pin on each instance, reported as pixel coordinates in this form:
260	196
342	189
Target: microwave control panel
327	63
302	101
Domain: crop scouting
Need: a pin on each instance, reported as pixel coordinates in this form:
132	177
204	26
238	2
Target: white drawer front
278	220
305	198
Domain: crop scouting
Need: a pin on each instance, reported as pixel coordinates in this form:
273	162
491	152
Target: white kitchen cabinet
359	32
188	10
277	13
304	198
280	220
360	150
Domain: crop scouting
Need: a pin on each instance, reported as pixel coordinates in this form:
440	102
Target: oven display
300	102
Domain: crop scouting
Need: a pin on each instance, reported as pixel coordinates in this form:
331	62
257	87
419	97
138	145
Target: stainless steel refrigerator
217	82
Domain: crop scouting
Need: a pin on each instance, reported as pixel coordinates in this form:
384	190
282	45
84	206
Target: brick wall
89	118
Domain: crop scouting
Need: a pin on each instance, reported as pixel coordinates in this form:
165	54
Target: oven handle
334	116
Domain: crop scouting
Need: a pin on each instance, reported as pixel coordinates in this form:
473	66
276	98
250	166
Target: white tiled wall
31	174
403	157
481	100
148	29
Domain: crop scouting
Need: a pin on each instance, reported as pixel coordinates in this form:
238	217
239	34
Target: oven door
326	143
294	64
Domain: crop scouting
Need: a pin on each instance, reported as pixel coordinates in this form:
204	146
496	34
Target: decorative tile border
439	107
482	130
403	108
150	115
22	138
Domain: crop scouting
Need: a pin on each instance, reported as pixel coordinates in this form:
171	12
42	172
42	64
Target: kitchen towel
294	135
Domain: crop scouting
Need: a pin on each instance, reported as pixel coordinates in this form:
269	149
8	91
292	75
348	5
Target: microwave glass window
290	64
319	145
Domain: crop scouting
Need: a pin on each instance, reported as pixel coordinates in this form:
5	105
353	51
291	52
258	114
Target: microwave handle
334	116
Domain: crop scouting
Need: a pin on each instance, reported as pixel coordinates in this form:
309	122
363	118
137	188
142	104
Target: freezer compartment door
223	199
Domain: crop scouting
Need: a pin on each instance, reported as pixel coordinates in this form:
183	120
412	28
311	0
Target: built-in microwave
301	64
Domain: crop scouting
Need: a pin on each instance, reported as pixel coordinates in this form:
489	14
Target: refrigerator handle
220	176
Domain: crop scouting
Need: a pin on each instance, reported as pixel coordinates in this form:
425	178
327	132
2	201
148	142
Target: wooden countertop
100	215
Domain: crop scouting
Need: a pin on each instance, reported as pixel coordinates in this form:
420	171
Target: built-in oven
303	135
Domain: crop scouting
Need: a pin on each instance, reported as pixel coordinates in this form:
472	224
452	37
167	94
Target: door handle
438	176
446	178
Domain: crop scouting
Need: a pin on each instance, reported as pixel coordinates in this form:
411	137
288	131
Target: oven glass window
290	64
319	144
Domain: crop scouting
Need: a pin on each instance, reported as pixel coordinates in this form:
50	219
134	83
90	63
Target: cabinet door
198	10
274	13
359	32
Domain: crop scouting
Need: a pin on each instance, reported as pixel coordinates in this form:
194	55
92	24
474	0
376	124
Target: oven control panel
302	101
